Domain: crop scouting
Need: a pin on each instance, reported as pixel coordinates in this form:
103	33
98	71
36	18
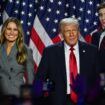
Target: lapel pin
84	51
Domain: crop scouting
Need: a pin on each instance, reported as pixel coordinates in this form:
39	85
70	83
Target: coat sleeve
30	67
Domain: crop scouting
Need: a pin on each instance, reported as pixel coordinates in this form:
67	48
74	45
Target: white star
10	1
73	16
21	21
17	2
88	11
23	3
67	5
28	33
29	14
96	14
49	9
74	7
30	5
51	1
16	11
79	18
41	7
22	12
57	12
82	1
97	5
55	21
87	20
91	3
95	23
59	3
47	19
65	14
81	9
54	30
85	29
28	23
36	1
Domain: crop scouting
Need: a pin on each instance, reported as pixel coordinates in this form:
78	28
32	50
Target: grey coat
12	73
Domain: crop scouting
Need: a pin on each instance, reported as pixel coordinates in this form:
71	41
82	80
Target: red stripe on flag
37	41
56	39
35	67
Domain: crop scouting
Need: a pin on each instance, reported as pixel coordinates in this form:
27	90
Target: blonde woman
15	58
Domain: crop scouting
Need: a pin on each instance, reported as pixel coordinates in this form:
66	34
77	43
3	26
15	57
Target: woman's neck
9	44
9	47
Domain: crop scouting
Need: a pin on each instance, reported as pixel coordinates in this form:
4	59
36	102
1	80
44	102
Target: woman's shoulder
27	48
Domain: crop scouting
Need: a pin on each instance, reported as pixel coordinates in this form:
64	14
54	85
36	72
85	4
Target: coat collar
6	59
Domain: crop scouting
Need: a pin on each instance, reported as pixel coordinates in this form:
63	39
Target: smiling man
62	62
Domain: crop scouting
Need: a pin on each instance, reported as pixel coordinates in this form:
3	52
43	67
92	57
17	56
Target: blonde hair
21	50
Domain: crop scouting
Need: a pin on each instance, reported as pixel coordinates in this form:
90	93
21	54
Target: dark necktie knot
72	48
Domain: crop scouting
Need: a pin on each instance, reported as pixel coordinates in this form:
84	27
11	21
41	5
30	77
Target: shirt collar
67	47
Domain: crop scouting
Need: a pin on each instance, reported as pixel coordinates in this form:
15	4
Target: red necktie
73	72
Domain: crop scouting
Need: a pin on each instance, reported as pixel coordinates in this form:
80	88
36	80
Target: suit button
9	59
11	69
0	77
9	78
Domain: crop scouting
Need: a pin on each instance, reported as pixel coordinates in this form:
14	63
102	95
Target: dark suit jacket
52	66
96	38
95	41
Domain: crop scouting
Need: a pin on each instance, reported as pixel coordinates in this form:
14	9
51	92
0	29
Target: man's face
70	34
102	17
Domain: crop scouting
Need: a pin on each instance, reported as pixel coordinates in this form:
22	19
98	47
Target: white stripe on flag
5	16
36	54
41	32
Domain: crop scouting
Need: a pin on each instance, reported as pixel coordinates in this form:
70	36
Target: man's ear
61	36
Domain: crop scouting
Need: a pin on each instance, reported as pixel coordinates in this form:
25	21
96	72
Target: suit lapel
61	57
98	38
82	56
4	58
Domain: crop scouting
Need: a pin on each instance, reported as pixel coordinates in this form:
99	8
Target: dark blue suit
52	66
96	38
95	41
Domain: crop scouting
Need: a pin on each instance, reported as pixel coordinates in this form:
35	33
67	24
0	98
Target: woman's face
11	33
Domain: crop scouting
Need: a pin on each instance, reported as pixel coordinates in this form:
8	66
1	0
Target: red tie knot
72	48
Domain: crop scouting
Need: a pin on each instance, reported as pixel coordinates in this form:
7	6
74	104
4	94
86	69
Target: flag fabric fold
40	20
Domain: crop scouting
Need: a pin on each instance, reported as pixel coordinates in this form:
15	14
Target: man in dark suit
98	36
54	64
98	39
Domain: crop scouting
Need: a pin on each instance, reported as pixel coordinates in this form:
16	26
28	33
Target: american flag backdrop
40	19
